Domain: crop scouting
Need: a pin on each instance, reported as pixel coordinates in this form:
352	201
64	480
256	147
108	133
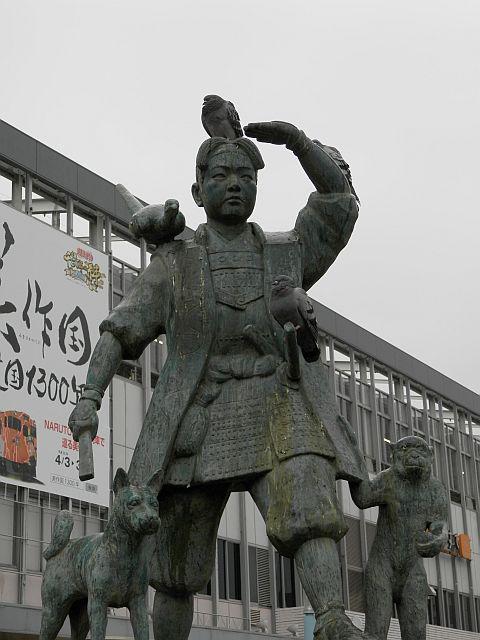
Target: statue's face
229	187
412	457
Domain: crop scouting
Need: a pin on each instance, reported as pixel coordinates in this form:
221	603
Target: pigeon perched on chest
220	118
292	304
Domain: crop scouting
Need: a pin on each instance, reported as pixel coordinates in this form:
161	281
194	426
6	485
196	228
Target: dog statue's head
135	508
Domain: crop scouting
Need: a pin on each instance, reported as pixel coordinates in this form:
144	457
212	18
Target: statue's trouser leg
315	560
304	520
184	555
172	615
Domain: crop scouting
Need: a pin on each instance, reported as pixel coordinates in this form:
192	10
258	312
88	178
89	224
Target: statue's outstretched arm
104	362
325	224
325	173
125	333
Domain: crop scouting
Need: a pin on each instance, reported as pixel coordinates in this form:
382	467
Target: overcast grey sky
118	85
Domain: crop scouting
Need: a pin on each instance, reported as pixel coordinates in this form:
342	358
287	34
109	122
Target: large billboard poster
53	296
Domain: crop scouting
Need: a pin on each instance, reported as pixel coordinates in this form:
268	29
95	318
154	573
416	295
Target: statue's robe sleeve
142	315
324	227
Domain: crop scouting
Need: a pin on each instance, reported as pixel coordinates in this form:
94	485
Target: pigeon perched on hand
220	118
291	304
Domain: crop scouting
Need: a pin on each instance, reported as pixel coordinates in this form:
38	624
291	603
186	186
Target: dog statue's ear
155	482
121	480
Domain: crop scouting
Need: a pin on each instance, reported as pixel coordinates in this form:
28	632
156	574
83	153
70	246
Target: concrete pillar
28	194
56	217
17	184
146	356
244	563
96	232
69	207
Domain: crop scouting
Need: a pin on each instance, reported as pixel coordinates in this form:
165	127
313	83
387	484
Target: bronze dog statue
86	576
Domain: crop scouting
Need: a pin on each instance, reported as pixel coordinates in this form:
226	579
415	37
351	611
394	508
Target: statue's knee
289	534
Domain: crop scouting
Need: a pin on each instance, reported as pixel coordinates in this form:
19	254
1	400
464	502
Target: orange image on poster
18	444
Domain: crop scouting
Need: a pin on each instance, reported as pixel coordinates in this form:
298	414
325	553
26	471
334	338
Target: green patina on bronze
228	412
412	516
84	577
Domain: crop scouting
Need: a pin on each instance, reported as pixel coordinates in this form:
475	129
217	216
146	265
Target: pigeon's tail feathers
234	119
307	338
312	354
133	204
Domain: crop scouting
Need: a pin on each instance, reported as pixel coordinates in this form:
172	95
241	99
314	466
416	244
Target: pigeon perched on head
291	304
220	118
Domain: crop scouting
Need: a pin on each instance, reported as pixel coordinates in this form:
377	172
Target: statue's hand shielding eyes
275	132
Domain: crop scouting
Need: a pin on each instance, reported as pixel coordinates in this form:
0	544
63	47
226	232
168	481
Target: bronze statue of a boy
223	416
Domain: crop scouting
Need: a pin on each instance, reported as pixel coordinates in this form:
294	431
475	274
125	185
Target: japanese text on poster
53	296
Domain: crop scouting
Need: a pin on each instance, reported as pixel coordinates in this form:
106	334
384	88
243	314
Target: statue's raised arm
325	224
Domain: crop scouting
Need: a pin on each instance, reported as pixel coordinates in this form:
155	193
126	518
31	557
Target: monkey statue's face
412	458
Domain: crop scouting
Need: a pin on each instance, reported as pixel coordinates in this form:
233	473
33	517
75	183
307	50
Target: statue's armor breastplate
236	443
246	412
237	277
238	283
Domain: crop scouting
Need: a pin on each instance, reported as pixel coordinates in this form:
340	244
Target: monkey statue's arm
370	493
431	541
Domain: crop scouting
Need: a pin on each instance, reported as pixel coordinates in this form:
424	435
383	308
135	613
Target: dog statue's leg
79	624
53	618
172	616
139	617
97	616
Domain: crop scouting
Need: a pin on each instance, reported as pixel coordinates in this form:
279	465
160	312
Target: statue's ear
120	481
155	482
196	194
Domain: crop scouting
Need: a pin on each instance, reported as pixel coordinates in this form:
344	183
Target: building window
401	409
229	575
259	573
449	604
342	388
433	610
354	565
382	401
252	572
8	529
207	590
466	612
285	581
